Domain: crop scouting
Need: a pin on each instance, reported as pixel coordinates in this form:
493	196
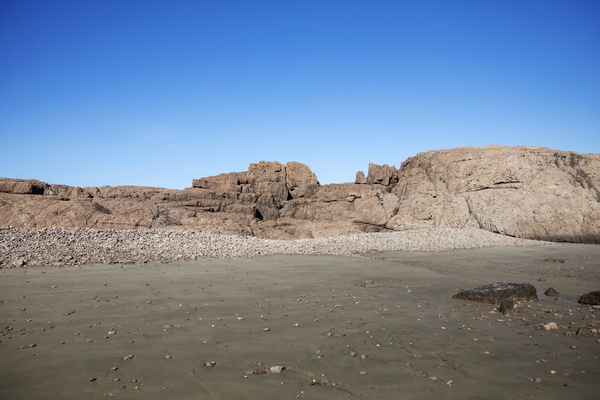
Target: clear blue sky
160	92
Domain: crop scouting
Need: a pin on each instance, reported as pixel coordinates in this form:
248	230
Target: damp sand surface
208	329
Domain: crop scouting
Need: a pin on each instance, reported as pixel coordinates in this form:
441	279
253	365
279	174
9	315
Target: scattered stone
496	292
550	326
209	364
551	292
554	260
168	357
584	331
321	382
276	369
128	357
591	298
256	372
19	262
369	284
363	373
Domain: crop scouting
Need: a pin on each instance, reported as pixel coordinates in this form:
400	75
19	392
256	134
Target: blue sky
160	92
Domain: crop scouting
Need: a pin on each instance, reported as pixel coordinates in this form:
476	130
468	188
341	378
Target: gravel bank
74	246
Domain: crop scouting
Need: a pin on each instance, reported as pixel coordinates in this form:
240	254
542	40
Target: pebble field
21	247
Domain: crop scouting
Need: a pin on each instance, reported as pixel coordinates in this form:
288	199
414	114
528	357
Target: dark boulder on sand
591	298
495	293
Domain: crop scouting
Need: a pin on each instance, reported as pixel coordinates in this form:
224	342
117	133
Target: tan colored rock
528	192
20	186
360	178
382	174
300	180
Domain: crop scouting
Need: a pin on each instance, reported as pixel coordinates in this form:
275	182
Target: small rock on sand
276	369
550	326
369	284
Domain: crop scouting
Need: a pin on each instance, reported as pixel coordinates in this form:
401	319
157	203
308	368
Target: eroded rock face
527	192
495	293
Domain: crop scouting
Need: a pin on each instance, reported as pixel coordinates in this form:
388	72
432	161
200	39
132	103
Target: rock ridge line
524	192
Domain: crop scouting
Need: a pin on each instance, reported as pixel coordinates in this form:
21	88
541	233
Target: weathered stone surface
20	186
528	192
495	293
591	298
360	178
525	192
382	174
300	180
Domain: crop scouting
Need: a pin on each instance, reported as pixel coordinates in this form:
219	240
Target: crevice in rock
369	228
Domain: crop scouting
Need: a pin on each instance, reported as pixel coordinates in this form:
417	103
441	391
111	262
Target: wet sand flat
145	331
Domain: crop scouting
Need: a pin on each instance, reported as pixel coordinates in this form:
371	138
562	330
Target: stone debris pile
21	247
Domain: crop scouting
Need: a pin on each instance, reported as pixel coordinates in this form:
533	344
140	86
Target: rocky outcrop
527	192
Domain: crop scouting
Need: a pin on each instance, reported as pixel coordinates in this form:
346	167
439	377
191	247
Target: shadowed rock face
527	192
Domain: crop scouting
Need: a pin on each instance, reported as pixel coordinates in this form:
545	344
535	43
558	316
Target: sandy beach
210	328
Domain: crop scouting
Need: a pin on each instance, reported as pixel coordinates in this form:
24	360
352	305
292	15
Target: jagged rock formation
527	192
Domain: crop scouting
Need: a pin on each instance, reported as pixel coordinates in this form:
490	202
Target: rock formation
527	192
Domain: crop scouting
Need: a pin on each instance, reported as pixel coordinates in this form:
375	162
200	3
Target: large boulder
591	298
495	293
